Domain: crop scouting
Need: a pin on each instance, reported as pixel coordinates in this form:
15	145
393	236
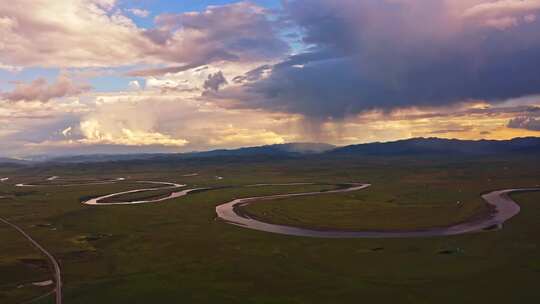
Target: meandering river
504	209
231	212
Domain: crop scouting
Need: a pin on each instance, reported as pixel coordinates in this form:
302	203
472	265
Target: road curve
50	257
504	209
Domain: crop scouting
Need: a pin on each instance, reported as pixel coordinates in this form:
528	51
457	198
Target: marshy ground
176	251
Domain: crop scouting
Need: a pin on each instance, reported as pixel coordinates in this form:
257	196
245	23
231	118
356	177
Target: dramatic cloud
146	121
171	120
387	54
80	33
67	33
139	12
504	14
199	80
528	121
94	134
24	122
240	32
525	122
162	71
215	81
40	90
134	85
239	74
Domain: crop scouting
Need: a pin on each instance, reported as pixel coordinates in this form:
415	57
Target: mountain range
407	147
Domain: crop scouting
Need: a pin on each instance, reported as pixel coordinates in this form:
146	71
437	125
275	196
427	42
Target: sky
134	76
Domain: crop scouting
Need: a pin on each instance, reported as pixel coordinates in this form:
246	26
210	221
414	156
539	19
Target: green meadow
177	252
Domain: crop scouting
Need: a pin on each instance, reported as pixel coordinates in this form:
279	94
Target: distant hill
94	158
278	150
291	149
408	147
12	161
438	146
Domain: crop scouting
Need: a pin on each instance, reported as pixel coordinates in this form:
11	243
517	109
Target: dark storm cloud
162	71
239	32
215	81
530	120
525	122
386	54
253	75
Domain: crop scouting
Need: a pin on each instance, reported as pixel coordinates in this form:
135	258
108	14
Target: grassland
176	252
417	204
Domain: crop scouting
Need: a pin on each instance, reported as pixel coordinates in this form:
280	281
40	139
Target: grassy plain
176	252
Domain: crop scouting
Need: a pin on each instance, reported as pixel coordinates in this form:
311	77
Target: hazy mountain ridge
422	146
290	149
12	161
407	147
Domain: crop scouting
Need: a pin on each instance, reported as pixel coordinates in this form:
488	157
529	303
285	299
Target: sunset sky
105	76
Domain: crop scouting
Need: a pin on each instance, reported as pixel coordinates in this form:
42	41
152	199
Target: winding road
52	261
